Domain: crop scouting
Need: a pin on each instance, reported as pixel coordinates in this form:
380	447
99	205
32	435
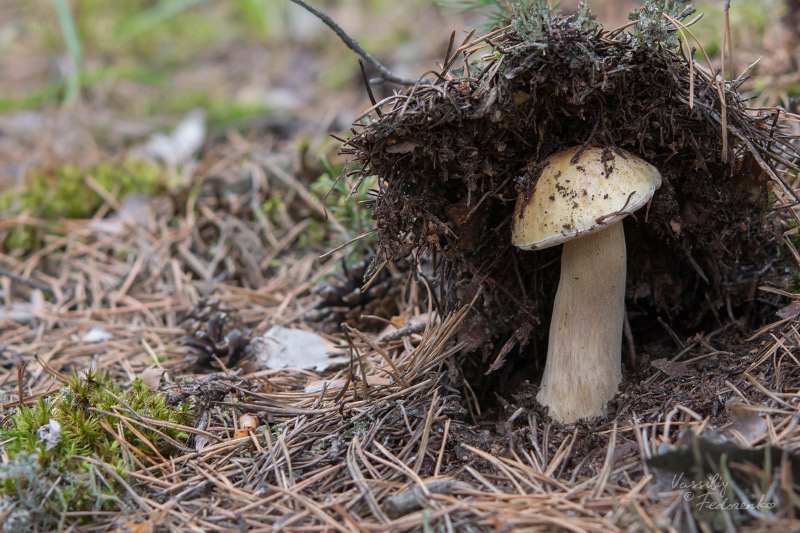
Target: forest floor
144	245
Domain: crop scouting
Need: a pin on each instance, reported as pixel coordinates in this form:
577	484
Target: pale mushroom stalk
583	368
581	204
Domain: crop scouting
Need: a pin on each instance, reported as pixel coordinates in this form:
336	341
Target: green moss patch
70	451
64	192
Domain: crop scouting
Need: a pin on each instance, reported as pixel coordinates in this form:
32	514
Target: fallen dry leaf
282	347
151	376
673	369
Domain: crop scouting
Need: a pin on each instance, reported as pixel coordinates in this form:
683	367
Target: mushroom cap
570	200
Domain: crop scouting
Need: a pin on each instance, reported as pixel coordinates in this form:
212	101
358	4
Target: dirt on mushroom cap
449	154
582	190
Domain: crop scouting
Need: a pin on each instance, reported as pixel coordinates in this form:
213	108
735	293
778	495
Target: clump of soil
451	153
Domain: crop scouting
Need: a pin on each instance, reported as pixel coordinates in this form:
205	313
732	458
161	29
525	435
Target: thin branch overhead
353	45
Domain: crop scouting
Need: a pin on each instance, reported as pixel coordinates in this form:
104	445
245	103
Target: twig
442	448
353	45
720	90
21	382
629	339
414	499
369	91
32	283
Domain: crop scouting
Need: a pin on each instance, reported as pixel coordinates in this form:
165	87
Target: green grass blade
74	52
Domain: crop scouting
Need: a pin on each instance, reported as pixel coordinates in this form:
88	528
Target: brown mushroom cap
574	199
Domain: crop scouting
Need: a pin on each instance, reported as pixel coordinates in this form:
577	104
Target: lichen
653	28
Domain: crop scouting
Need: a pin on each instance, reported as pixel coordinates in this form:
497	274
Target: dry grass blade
719	86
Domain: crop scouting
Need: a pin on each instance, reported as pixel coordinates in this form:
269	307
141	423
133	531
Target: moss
62	192
276	430
340	78
80	409
84	409
349	212
263	18
173	41
359	427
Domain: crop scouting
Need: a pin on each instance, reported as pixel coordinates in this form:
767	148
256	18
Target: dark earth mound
450	154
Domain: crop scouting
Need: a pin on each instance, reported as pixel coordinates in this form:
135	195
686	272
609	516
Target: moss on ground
63	192
72	450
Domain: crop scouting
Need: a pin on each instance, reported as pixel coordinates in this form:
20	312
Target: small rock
96	335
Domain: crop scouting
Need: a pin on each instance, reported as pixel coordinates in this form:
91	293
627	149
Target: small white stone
97	334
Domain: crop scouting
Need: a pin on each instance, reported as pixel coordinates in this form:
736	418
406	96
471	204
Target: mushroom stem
583	368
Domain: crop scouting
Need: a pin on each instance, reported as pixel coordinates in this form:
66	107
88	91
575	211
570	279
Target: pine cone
206	309
219	338
341	299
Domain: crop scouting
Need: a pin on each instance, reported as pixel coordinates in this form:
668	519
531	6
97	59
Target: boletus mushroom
579	200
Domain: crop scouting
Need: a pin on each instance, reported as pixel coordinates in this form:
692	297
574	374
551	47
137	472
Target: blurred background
90	81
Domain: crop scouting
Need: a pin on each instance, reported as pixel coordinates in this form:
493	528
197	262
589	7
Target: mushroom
579	200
